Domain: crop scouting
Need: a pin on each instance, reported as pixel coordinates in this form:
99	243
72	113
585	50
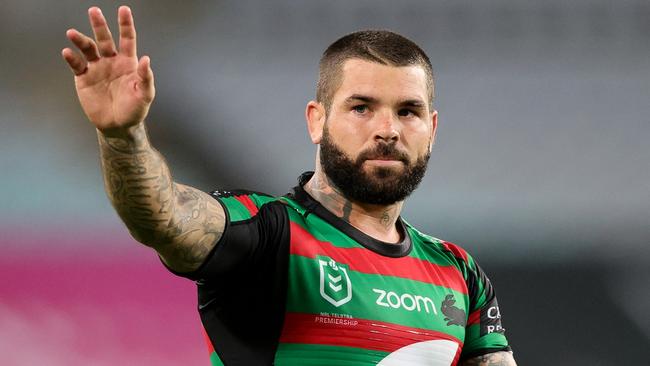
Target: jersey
291	284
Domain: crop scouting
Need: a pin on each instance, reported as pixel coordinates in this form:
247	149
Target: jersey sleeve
255	229
484	332
242	283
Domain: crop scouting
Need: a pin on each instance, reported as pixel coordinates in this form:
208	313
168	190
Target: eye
405	112
360	109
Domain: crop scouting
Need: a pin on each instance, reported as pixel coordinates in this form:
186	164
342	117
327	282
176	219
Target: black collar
303	198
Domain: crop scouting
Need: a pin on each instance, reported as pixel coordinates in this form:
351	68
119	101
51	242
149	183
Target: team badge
453	314
335	285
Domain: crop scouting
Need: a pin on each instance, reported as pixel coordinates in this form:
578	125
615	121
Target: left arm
502	358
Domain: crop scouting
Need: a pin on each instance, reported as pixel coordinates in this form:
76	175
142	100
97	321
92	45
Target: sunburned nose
387	131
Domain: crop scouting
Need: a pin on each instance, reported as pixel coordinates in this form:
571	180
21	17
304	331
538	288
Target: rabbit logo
453	314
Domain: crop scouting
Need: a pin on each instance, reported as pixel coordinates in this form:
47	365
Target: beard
379	186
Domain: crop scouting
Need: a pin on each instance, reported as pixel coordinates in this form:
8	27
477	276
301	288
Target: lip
384	162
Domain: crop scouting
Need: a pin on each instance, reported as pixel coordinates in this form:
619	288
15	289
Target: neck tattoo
385	219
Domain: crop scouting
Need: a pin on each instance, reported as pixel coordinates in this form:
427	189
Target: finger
102	33
127	31
84	43
77	63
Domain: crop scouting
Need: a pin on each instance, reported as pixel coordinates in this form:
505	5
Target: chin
385	173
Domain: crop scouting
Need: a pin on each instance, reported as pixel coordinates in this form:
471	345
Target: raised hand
114	87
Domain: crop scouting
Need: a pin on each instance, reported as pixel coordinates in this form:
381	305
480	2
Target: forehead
374	79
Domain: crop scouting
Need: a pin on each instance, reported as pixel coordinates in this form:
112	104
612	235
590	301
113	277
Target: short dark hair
380	46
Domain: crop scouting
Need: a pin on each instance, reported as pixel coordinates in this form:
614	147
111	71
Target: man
329	274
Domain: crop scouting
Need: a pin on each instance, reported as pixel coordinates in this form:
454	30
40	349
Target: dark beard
382	186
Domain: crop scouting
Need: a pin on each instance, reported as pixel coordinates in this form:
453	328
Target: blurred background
541	168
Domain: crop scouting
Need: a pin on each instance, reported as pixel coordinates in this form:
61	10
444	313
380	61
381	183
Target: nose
388	129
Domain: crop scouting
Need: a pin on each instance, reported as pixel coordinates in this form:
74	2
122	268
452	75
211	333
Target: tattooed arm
115	90
181	223
491	359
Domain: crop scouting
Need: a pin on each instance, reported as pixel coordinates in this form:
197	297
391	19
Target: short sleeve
241	286
484	332
256	228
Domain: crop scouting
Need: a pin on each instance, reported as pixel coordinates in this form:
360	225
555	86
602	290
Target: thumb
146	76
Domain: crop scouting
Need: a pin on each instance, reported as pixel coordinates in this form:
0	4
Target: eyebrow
415	103
360	98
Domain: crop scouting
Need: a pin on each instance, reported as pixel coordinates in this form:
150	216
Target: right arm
115	90
180	222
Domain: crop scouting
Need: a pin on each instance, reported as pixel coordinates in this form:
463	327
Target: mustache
384	152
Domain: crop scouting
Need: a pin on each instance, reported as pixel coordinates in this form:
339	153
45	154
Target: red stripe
457	357
474	318
208	341
248	203
456	250
367	261
365	334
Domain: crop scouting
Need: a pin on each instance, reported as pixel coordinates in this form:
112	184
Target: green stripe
323	231
475	342
214	359
236	210
260	199
431	251
480	300
408	305
290	354
480	288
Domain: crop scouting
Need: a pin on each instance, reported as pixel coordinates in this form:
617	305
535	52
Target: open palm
115	88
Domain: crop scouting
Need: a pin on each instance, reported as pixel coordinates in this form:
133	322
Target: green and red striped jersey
291	284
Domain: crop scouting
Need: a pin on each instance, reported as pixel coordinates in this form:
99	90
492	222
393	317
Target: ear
315	116
434	129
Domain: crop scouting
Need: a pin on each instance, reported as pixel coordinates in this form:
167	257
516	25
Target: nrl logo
335	286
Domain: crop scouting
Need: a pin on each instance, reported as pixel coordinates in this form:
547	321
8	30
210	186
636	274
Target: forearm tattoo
180	222
492	359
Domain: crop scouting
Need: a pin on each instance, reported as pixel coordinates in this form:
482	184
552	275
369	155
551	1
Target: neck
377	221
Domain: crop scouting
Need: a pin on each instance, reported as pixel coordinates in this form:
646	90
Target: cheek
417	139
348	136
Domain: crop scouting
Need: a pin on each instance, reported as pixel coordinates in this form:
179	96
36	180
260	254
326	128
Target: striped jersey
291	284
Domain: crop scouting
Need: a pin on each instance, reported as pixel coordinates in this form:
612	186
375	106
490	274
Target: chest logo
453	314
335	285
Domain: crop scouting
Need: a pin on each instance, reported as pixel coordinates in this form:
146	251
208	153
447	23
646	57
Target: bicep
195	227
501	358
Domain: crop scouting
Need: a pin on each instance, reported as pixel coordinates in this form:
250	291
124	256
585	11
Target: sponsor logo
493	312
491	318
453	315
404	301
335	285
494	315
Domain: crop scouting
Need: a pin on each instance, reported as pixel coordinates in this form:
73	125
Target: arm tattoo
502	358
194	229
180	222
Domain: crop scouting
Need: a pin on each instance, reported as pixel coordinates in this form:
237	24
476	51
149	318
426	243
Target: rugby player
329	274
